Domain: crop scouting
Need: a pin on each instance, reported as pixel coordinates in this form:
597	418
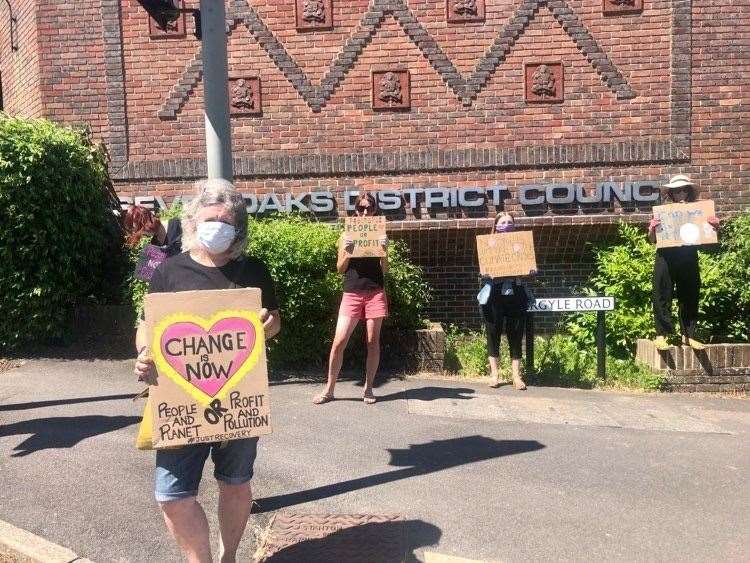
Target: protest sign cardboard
149	259
506	254
685	224
210	355
366	232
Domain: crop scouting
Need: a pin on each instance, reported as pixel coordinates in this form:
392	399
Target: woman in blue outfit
503	302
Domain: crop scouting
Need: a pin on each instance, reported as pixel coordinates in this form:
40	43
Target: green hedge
625	269
301	256
56	217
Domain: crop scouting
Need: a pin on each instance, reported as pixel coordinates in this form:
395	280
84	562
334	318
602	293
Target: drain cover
334	537
7	365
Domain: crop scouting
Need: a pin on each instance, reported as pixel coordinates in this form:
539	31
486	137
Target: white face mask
216	236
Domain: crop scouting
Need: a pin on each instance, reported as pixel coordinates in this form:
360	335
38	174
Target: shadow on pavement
418	459
58	402
62	432
374	541
430	393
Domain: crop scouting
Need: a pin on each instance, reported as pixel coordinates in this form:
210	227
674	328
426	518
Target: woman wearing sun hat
676	272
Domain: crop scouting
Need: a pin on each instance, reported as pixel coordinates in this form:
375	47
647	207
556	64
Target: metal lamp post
211	29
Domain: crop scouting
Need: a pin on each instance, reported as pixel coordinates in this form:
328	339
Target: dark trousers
504	312
682	279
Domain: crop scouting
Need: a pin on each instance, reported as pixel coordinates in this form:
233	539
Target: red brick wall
72	65
20	67
666	93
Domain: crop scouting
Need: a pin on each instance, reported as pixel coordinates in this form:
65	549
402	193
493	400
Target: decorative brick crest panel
172	29
544	82
621	7
461	11
391	89
314	14
245	96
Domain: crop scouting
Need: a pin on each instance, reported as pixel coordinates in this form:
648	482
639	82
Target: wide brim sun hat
679	181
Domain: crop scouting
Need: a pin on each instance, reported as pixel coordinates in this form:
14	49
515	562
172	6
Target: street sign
599	303
572	304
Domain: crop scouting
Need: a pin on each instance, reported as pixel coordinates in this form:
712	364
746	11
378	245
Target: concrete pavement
476	473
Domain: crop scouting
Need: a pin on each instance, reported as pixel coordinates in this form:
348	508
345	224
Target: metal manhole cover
334	537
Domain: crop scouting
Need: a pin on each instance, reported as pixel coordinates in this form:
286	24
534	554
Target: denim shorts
179	471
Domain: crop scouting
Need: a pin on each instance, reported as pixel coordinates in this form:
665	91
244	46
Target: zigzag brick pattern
465	89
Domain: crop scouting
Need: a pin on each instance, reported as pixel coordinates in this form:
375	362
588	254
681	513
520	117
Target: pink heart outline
186	328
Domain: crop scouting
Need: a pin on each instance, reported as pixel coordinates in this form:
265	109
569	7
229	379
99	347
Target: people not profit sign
506	254
150	258
366	232
209	350
685	224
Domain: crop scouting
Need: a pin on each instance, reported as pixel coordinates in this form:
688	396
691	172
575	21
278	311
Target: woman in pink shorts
364	298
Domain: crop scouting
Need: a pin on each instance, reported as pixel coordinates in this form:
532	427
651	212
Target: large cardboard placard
685	224
366	232
506	254
210	355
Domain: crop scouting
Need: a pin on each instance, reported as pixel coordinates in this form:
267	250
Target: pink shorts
368	304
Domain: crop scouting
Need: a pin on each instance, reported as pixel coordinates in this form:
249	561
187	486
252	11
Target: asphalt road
548	474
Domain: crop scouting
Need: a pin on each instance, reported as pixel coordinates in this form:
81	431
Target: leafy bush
558	361
625	269
56	216
301	256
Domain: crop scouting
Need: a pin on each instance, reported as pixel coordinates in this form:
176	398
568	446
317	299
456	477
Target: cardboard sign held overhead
210	355
366	232
685	224
504	255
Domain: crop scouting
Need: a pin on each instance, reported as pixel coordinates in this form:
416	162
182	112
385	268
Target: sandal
369	399
495	382
519	384
322	399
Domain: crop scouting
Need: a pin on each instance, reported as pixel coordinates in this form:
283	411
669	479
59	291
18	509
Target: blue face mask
506	228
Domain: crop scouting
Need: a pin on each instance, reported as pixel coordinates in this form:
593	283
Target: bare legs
235	503
187	522
515	370
494	373
344	328
373	355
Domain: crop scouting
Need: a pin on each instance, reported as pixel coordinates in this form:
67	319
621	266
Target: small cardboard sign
148	260
366	232
504	255
210	355
685	224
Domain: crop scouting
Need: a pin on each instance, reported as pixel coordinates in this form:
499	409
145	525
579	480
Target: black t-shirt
363	274
182	273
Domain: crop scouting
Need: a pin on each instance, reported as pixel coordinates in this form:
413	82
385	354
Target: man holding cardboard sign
205	338
677	229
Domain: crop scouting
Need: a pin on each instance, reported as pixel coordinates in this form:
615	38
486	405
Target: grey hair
210	193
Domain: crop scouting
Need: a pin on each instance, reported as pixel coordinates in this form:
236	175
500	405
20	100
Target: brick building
568	112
